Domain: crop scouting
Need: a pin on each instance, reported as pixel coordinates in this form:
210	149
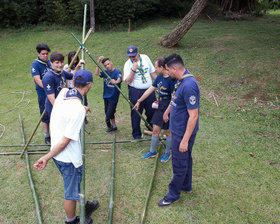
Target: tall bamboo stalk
118	88
94	143
112	187
29	140
37	206
82	185
150	187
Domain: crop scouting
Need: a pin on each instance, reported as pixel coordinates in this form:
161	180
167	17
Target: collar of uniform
73	94
40	61
55	72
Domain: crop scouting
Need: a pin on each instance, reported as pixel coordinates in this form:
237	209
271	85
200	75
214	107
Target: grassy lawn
237	64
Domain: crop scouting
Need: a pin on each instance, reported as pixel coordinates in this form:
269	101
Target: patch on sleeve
192	100
33	70
49	87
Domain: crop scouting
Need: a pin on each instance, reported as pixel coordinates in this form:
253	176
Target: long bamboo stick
102	142
112	187
121	92
37	206
29	140
18	153
150	187
79	49
82	184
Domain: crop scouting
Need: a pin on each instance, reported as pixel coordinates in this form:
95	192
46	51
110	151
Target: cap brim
131	54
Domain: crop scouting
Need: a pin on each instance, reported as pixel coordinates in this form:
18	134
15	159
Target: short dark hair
174	59
160	61
41	47
56	56
80	85
105	59
71	54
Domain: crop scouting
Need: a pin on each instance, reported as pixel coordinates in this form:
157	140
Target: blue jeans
71	177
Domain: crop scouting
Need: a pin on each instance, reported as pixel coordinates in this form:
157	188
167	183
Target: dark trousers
134	95
182	168
110	110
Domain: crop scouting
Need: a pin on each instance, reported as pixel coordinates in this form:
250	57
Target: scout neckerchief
178	83
43	62
140	69
73	94
60	74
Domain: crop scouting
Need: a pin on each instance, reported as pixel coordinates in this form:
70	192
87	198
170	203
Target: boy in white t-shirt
67	117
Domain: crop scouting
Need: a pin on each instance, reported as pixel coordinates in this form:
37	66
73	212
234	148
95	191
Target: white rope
19	103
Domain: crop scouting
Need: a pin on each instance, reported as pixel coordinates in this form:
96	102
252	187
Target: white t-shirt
148	68
70	81
67	118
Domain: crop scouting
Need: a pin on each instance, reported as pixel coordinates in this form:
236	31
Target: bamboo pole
37	206
121	92
82	184
12	146
18	153
79	49
88	143
111	203
29	140
150	187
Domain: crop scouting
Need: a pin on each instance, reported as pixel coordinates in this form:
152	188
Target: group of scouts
62	89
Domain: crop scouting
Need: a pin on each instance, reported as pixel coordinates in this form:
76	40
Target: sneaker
48	140
88	220
76	221
115	128
110	129
91	206
165	157
165	202
149	155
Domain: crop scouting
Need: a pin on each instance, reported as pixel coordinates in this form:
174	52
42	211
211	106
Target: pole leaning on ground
143	216
37	206
82	185
111	203
118	88
29	140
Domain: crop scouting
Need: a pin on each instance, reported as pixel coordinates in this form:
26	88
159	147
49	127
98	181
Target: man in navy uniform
184	111
138	74
39	68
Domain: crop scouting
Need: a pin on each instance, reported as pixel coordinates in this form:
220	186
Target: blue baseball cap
131	51
86	77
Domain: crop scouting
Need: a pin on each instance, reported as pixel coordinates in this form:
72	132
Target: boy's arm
59	147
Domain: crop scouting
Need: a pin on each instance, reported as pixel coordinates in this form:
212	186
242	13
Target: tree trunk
92	16
186	23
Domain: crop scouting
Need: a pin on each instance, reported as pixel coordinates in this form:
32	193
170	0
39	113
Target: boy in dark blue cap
67	117
138	74
110	92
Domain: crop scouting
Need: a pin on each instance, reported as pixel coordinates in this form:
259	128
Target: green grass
236	61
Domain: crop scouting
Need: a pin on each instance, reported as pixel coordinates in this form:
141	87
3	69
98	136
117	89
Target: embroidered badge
130	50
48	87
192	100
33	70
72	92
